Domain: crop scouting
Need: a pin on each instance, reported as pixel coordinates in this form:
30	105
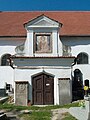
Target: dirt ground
59	114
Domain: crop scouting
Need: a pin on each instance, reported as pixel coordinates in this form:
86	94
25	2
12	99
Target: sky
44	5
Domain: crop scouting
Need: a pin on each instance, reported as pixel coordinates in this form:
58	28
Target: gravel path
58	114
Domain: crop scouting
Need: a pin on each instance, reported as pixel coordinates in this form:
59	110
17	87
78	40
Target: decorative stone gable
42	37
42	21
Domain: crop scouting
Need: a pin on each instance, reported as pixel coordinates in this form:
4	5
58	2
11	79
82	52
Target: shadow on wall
76	40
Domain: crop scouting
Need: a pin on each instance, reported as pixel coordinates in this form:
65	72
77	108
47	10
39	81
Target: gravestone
81	113
65	96
21	93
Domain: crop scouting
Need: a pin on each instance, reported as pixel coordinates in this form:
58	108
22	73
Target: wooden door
43	89
48	89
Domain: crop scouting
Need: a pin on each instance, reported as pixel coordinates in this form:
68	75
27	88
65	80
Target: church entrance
43	89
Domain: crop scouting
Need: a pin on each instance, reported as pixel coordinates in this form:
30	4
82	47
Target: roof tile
74	22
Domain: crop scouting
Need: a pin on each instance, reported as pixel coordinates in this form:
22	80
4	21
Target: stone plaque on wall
21	93
65	92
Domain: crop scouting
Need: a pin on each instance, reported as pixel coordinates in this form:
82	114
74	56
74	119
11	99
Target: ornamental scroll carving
21	87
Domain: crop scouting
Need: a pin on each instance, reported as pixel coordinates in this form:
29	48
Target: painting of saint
43	43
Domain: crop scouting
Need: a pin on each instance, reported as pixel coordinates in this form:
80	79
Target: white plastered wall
26	74
7	46
78	45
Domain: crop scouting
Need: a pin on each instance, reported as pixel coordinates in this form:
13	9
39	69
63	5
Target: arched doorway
43	89
77	85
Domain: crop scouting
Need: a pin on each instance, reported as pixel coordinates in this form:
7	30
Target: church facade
44	56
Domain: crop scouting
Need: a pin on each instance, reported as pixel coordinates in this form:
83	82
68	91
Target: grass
18	108
38	113
44	115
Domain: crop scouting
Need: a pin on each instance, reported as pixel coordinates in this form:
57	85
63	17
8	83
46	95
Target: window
82	58
42	43
5	60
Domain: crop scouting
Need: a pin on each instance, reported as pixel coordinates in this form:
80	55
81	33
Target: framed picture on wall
43	43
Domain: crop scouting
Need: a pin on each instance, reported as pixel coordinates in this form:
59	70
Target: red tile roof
74	22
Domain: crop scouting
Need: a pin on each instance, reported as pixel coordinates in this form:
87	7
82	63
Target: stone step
11	116
3	117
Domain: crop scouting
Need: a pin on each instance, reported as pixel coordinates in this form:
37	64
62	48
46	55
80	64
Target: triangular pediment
42	21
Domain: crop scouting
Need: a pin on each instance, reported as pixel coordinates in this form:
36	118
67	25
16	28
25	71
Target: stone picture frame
42	43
